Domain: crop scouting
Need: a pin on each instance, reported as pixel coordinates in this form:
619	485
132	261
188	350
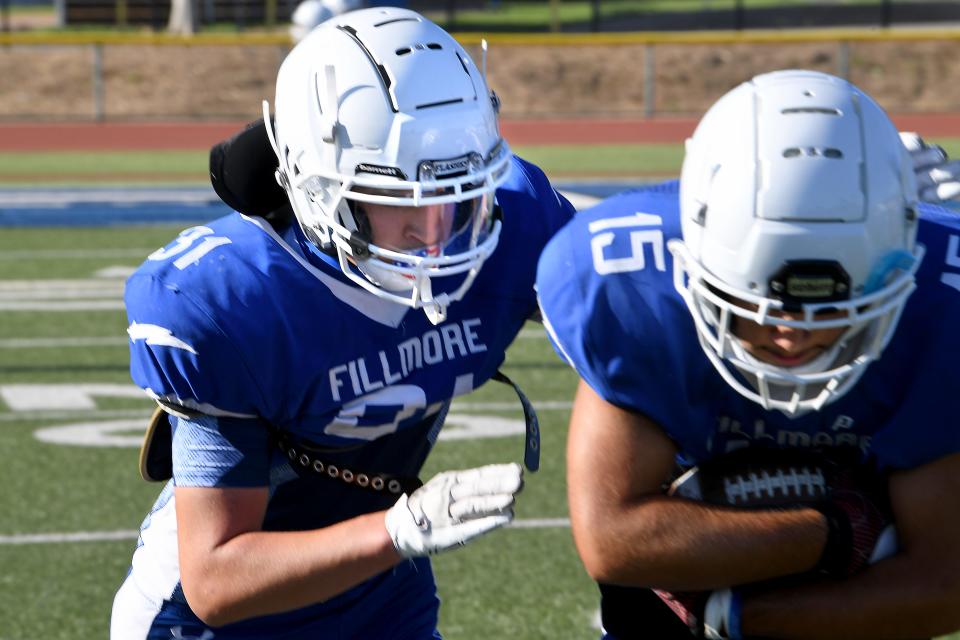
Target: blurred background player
310	13
307	359
744	313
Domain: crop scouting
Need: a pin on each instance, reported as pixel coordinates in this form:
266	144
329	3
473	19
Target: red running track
33	136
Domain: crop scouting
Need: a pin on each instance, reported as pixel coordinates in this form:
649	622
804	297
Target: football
851	495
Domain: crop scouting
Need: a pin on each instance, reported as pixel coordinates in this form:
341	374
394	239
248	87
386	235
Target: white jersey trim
133	613
154	573
382	311
169	403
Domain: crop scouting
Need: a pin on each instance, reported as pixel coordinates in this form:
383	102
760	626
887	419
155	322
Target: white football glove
938	177
453	508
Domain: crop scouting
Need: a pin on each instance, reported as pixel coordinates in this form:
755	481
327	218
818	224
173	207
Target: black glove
856	522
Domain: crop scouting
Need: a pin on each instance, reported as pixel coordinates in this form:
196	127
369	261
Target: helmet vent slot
381	70
823	111
441	103
463	63
813	152
402	51
386	22
466	70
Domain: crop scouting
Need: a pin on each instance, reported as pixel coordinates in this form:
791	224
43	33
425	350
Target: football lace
803	483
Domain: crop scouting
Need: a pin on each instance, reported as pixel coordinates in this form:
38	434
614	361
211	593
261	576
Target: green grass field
55	585
71	506
124	167
524	582
539	15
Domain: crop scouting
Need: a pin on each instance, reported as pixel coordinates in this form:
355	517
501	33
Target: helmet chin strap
435	308
436	313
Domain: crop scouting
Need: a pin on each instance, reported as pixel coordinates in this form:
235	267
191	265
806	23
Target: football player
789	294
306	358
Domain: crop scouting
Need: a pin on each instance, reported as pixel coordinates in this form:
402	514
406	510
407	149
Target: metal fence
141	77
624	15
547	15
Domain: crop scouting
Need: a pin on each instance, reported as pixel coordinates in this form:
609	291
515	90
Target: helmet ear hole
361	220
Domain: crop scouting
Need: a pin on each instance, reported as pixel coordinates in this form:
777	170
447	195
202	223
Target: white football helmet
382	106
798	209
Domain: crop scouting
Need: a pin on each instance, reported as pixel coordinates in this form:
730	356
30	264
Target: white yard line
131	534
58	293
54	287
86	305
89	294
106	196
86	415
116	341
68	254
540	523
60	343
76	536
70	414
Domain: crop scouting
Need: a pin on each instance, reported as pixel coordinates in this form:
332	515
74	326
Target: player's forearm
675	544
260	573
897	598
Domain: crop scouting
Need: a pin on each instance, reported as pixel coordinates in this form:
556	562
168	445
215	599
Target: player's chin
788	360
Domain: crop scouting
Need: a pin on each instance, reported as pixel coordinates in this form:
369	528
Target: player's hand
861	532
938	177
709	614
453	508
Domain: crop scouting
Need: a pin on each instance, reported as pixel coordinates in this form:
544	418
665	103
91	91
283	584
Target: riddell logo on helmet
380	170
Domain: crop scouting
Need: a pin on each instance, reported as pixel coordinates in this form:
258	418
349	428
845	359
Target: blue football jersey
606	291
246	325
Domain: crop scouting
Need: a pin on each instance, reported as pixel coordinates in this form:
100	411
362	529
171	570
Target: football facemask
462	207
867	323
382	244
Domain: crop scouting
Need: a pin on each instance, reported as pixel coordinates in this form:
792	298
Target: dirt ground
169	82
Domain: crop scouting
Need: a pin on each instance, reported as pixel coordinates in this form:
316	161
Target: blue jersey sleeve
555	210
179	354
601	284
927	344
533	211
561	305
220	452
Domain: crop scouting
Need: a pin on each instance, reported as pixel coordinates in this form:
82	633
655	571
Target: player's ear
242	172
